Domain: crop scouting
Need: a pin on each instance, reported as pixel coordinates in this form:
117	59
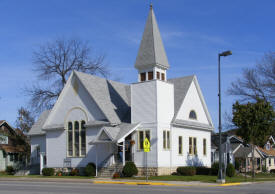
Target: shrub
10	170
272	171
230	170
237	164
174	174
90	170
116	175
48	171
130	169
92	164
58	173
215	168
186	171
74	172
201	170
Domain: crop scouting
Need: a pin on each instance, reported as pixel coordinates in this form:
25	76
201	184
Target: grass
209	178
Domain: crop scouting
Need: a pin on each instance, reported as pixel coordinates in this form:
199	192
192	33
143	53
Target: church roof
181	86
151	51
113	98
37	127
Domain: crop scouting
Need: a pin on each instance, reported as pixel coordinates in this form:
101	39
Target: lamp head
225	53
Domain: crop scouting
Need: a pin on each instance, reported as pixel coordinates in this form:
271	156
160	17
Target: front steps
110	170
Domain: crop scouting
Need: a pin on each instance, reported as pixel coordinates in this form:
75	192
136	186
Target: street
29	187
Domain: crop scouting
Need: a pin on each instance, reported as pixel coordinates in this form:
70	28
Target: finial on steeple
151	5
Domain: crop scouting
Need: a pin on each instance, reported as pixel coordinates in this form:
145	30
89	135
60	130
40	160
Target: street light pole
221	177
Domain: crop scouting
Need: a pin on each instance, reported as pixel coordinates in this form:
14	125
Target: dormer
151	61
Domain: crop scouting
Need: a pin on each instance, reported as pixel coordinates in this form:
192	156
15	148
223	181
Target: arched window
83	138
192	115
70	139
76	137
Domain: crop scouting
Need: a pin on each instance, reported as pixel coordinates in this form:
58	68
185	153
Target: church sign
146	145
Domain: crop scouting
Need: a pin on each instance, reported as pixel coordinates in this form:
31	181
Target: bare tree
257	82
53	63
24	120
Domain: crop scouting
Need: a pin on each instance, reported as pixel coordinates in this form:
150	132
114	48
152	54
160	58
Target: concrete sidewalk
118	181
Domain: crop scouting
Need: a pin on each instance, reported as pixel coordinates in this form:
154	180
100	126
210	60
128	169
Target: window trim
80	155
196	117
139	149
194	147
204	144
166	140
180	147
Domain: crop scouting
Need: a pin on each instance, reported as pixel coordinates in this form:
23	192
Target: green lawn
209	178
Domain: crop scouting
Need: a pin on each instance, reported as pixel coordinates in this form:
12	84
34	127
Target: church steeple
151	60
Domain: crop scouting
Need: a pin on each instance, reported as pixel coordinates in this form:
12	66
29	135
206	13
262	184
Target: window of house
142	134
150	75
166	139
268	146
142	77
192	145
11	157
180	144
158	75
269	161
204	147
76	139
70	139
192	115
83	138
163	76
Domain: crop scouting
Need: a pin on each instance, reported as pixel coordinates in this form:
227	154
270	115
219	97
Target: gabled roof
181	87
116	134
151	51
113	98
266	152
37	127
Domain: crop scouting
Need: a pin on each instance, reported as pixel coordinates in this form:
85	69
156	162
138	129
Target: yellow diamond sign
146	145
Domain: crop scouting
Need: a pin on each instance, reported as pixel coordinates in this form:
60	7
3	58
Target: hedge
47	171
10	170
186	170
90	169
201	170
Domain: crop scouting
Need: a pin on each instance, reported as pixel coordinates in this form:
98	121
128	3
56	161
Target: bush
186	171
10	170
174	174
201	170
272	171
215	168
74	172
129	169
90	170
230	170
48	171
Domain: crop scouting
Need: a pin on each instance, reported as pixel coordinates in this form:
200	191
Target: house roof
245	151
151	51
1	122
37	127
12	149
113	98
266	152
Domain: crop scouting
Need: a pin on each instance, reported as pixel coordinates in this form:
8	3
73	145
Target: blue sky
193	32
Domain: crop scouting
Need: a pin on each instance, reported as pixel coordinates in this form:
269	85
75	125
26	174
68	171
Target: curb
164	184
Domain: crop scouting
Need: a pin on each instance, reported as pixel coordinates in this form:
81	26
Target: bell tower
151	61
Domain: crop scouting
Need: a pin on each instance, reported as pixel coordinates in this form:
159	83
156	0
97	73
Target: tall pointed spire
151	51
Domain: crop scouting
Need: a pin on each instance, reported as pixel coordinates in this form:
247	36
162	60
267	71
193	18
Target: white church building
105	122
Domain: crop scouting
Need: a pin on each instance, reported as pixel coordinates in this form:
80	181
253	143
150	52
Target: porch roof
116	134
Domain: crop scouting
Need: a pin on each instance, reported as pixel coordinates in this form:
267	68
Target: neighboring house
244	156
105	122
230	144
269	152
11	154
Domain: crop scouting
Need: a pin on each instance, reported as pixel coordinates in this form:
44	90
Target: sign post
146	149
